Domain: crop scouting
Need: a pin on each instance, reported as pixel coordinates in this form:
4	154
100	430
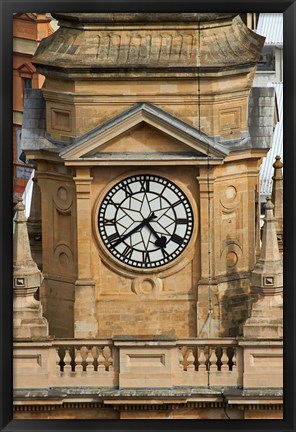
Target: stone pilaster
85	321
277	199
28	322
207	307
266	319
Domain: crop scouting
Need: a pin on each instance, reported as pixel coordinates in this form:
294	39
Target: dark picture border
7	8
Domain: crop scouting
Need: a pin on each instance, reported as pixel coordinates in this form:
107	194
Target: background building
270	74
28	30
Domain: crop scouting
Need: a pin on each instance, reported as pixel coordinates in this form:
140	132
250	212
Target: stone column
85	321
28	322
277	199
207	307
266	319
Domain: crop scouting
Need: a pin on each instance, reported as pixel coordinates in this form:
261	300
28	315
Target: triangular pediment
25	16
26	68
144	132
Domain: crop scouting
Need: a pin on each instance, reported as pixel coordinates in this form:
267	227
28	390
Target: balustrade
84	363
103	363
78	359
209	357
211	363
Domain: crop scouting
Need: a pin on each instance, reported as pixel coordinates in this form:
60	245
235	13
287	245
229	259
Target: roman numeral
177	239
164	252
111	202
182	221
145	186
109	221
127	253
127	190
113	237
177	203
146	257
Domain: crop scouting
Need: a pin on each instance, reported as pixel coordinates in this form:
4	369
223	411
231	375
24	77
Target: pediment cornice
193	144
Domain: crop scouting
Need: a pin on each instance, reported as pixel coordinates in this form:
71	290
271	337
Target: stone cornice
140	402
120	18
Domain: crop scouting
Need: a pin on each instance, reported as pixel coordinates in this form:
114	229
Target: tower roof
97	45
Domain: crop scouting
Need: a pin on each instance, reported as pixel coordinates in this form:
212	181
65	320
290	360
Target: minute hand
143	223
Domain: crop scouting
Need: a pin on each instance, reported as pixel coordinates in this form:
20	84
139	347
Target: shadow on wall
235	296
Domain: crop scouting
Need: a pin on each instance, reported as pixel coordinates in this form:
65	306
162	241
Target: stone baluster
111	363
67	361
89	361
202	360
180	359
224	360
109	359
58	366
234	364
83	352
101	361
213	361
190	361
78	362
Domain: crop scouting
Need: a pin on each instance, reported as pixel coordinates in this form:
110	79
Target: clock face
145	221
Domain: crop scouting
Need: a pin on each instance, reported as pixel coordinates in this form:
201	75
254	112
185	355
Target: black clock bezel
155	265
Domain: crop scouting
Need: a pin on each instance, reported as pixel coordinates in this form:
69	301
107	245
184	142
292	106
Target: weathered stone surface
263	366
267	276
261	116
34	225
95	69
119	18
266	319
33	127
184	44
28	321
146	114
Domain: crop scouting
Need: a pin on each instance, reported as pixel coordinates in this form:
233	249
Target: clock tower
148	174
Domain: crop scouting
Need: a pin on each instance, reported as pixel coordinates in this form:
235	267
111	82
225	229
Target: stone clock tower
147	172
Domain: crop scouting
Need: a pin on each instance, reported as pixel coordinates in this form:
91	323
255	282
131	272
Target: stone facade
129	95
78	100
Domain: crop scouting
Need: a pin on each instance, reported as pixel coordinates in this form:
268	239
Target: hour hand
160	241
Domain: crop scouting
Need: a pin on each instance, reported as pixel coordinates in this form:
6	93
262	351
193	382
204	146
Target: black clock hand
160	241
143	223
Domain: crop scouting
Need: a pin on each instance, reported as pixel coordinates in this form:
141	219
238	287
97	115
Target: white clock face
145	221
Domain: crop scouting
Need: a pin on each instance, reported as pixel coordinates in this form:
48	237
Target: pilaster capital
206	185
206	179
83	182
